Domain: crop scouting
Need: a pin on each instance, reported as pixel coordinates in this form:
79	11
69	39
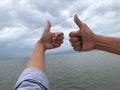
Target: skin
85	40
48	40
82	40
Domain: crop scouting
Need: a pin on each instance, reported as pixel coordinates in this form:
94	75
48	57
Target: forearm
33	76
109	44
37	59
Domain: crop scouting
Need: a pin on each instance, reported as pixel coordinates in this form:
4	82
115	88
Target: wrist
99	42
96	41
41	45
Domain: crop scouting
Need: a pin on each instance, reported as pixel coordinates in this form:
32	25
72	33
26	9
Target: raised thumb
48	26
78	21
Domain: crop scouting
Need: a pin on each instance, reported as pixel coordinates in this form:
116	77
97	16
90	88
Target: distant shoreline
57	54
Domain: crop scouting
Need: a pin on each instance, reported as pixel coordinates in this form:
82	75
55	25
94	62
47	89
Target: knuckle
72	44
75	49
78	48
70	34
70	40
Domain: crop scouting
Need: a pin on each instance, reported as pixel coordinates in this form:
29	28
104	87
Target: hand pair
81	40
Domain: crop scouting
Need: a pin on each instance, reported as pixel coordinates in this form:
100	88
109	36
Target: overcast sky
22	22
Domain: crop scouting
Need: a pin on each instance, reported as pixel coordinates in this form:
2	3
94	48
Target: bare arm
37	59
48	40
109	44
84	39
33	77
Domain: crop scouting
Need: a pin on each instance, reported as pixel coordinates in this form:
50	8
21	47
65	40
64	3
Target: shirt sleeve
32	79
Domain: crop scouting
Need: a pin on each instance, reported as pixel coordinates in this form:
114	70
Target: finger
60	33
78	21
57	42
78	48
48	26
74	34
74	40
57	45
76	44
58	36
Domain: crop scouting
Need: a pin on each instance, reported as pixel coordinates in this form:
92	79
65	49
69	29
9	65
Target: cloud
22	21
12	33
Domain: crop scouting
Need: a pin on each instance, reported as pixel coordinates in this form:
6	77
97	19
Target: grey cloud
29	18
5	18
52	7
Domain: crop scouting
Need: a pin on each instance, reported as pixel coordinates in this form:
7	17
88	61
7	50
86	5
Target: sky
22	22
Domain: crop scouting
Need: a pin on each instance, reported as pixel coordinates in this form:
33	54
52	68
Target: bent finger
58	42
59	38
74	39
57	45
78	48
76	44
74	34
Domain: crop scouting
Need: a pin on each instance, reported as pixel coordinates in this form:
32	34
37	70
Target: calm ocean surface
78	71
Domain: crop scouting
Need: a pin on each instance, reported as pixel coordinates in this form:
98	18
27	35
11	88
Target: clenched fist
84	38
49	39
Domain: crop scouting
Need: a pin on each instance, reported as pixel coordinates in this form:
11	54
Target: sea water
77	71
